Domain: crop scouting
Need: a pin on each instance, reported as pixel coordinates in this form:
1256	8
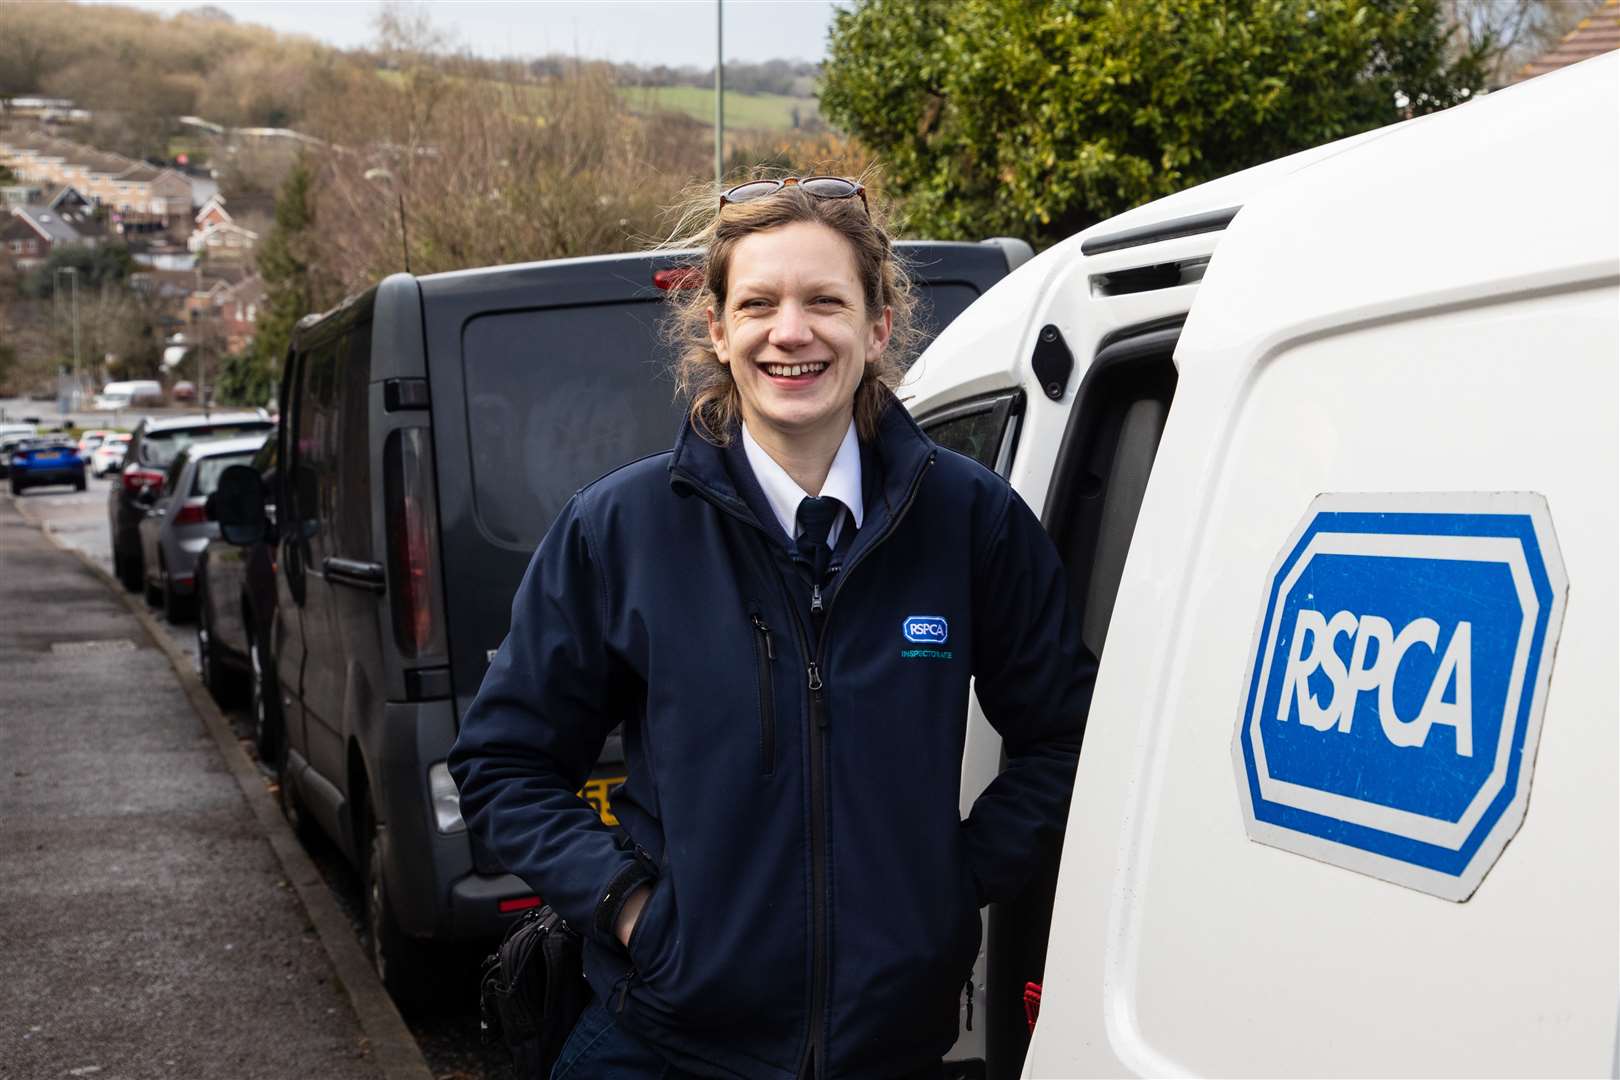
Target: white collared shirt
784	494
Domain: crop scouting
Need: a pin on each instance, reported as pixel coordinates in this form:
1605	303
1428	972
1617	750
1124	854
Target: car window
160	447
209	469
555	398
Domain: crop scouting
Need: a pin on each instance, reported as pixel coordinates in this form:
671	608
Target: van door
1347	800
1064	387
342	580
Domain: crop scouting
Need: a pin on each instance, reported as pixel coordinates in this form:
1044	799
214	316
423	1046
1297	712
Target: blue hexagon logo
1395	692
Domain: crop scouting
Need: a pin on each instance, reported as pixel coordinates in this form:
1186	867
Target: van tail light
192	513
678	277
137	478
413	542
1032	1004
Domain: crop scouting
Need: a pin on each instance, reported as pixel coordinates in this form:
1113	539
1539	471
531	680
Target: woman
792	891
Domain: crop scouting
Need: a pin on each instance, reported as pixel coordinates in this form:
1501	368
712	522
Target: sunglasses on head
822	187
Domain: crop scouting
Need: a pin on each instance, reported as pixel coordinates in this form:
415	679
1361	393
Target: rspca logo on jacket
1394	696
925	629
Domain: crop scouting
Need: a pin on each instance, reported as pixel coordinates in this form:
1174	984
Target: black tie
816	517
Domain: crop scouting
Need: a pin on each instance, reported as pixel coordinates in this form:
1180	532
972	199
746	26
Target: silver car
176	526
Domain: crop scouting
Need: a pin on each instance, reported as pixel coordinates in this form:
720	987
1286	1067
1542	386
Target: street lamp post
73	275
719	93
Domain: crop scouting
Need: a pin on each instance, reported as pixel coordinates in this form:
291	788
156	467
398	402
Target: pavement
157	919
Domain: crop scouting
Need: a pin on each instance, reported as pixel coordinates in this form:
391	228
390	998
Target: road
447	1031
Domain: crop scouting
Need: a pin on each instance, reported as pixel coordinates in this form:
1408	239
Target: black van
432	428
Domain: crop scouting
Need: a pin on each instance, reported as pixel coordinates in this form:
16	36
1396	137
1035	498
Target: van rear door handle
353	573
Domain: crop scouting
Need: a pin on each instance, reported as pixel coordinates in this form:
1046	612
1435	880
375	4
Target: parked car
45	461
176	527
432	429
128	395
236	599
1333	471
89	439
9	441
183	391
109	456
153	446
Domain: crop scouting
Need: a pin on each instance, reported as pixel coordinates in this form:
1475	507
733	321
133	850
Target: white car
109	456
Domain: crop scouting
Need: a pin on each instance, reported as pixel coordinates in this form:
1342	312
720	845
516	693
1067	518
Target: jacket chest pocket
765	666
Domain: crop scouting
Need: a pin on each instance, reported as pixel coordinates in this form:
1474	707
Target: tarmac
157	918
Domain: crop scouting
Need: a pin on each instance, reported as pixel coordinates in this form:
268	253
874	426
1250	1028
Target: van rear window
556	398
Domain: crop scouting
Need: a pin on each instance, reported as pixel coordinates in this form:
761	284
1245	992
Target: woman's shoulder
634	480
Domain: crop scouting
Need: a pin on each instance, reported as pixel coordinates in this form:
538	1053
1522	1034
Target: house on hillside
224	240
33	232
213	212
1594	35
240	313
140	197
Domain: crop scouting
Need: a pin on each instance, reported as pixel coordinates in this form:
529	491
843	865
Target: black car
432	428
152	448
236	597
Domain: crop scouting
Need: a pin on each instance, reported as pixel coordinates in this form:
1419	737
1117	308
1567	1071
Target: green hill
764	112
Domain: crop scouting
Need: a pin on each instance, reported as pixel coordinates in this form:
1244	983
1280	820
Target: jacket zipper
814	1060
765	660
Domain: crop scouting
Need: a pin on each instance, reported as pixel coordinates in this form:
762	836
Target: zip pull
968	990
765	632
815	677
815	599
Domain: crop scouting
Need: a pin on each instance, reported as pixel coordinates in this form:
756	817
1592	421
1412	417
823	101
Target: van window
984	430
556	398
332	469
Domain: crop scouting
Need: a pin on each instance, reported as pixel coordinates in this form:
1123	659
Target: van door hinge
1053	363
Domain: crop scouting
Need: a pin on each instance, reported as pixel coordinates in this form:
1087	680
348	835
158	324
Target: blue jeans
598	1049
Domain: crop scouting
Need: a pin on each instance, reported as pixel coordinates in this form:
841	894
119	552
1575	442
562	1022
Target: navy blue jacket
793	776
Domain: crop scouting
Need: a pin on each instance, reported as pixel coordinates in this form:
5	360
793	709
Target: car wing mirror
238	505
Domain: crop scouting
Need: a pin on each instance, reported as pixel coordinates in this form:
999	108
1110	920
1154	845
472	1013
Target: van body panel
1365	326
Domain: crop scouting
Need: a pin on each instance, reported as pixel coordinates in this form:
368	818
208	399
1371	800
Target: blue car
46	461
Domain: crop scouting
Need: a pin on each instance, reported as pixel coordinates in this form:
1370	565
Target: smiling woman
781	897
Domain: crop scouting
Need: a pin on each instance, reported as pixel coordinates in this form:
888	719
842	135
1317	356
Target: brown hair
715	405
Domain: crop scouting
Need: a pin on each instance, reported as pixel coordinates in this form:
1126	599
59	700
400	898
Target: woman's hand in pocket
630	913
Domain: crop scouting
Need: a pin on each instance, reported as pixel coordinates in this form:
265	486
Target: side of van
1328	448
432	428
129	394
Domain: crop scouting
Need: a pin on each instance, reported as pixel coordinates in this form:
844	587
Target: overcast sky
674	32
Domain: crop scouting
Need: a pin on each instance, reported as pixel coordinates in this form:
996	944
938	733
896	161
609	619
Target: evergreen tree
1037	118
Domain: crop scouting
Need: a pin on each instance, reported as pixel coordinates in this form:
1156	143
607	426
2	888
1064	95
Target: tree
293	288
1037	118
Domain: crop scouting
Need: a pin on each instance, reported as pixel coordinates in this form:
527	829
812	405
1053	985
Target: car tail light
413	542
137	478
192	513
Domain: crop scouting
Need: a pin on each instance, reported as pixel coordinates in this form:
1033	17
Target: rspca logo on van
1394	696
925	629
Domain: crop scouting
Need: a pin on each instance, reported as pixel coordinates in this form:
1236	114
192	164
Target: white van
130	394
1329	447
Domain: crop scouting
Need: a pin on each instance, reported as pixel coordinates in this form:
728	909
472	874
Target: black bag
532	991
